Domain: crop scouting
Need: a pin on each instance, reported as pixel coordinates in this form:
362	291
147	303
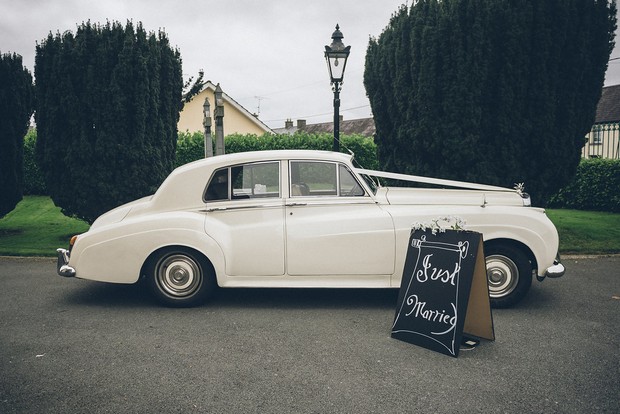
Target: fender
116	253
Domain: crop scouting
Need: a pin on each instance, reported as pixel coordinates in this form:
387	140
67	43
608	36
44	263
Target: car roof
259	156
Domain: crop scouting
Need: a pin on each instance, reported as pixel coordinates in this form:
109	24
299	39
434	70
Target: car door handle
296	204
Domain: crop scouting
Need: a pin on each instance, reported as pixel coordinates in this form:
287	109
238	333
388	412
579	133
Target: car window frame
337	165
230	194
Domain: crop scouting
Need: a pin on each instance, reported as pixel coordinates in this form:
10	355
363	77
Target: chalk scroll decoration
435	289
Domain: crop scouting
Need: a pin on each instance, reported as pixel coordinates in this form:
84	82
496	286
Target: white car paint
294	240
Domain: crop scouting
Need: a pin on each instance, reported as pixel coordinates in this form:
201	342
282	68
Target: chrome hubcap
502	275
179	275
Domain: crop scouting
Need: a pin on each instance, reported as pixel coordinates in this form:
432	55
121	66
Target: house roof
608	108
363	126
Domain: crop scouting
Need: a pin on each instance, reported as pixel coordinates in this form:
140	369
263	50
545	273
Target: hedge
190	146
595	187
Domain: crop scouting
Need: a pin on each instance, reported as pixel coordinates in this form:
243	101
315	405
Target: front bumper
62	266
557	270
554	271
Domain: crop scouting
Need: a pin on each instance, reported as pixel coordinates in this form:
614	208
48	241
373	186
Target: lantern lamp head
336	56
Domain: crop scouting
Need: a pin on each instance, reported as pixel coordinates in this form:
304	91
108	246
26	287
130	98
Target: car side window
218	186
312	178
315	178
255	180
244	181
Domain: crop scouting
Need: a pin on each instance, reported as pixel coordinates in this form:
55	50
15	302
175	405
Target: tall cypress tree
110	97
494	91
16	107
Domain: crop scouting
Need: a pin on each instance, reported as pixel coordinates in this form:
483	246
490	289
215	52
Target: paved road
74	346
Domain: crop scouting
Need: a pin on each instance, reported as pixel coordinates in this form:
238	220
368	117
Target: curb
587	256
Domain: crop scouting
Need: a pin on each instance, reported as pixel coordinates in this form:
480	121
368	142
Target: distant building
603	139
364	126
237	119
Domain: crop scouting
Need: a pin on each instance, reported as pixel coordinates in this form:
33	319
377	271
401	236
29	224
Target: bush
466	90
594	187
190	146
16	106
108	102
33	179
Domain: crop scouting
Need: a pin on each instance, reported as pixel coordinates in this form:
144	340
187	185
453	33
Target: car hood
459	192
423	196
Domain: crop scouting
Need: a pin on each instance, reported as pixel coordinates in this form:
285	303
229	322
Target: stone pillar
219	122
206	122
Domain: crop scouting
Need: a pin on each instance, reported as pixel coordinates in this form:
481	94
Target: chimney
288	124
341	117
301	123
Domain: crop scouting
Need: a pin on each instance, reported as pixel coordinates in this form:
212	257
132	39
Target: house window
597	135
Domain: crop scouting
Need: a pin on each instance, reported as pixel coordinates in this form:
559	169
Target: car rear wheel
509	275
180	277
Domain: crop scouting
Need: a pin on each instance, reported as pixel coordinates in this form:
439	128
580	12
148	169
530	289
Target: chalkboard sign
443	292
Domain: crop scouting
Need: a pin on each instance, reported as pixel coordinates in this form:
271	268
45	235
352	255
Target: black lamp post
336	55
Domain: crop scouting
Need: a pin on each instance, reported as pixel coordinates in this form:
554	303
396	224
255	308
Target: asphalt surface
75	346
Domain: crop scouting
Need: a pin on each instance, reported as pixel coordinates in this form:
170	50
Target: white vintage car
301	219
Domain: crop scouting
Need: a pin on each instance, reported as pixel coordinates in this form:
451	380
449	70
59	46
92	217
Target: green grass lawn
587	232
36	228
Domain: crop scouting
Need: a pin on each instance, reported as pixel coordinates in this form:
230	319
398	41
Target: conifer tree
493	91
16	107
109	101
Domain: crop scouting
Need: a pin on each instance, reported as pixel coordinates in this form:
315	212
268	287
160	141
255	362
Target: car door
333	227
245	215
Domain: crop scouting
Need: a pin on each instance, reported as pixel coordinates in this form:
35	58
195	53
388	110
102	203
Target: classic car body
300	219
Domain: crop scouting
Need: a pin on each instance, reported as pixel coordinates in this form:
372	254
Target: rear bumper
62	266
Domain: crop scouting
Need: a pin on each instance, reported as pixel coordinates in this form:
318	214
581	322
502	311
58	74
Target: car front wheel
509	275
179	277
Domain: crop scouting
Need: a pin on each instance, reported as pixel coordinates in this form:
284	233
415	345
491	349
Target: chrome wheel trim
178	275
502	275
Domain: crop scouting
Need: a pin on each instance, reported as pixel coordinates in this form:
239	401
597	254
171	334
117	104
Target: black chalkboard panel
436	289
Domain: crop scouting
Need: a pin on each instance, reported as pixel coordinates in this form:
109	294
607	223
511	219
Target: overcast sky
262	52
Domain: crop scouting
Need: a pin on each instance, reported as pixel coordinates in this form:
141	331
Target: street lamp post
336	56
